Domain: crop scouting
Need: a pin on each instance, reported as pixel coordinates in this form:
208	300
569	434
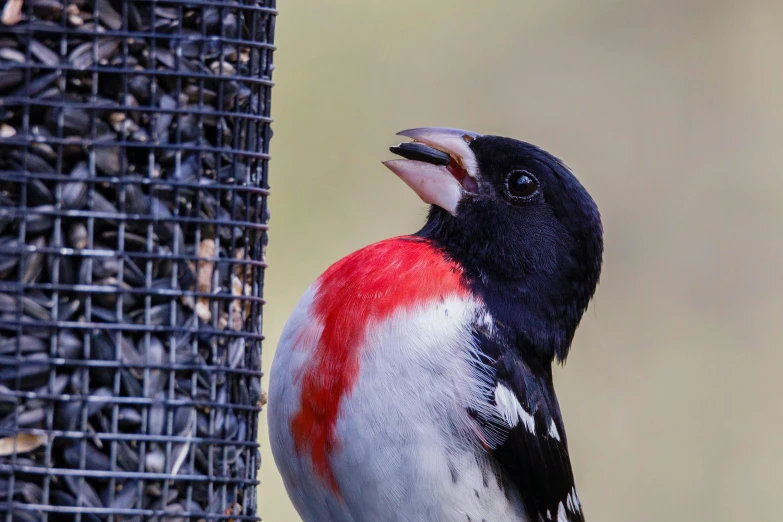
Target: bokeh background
671	114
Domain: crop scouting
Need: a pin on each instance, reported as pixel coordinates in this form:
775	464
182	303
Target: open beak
441	167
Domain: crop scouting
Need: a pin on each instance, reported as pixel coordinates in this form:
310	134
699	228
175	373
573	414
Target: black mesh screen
133	185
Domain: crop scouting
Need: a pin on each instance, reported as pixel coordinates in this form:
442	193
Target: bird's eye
521	184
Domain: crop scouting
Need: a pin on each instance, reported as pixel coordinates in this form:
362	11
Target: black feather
537	463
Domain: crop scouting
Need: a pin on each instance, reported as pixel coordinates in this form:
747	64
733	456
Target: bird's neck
532	312
541	306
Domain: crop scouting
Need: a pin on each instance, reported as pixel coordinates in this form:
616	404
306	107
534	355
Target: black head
526	231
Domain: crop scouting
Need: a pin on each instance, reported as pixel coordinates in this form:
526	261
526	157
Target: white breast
408	450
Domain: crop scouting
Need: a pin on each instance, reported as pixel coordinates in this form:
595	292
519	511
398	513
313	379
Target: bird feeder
133	207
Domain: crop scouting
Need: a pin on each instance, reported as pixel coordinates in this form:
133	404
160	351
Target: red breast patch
361	289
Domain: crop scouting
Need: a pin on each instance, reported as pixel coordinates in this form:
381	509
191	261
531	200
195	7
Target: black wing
524	431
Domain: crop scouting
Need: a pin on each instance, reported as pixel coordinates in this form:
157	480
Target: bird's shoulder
396	271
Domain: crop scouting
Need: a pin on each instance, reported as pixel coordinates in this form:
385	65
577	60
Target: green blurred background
671	114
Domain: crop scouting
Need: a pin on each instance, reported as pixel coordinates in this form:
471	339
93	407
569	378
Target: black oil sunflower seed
421	152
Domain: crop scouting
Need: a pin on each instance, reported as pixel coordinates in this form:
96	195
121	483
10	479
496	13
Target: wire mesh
133	183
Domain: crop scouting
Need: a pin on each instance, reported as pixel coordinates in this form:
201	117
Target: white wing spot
553	430
488	323
561	514
572	501
511	410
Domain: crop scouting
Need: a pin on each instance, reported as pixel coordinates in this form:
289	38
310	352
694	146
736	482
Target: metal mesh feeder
133	185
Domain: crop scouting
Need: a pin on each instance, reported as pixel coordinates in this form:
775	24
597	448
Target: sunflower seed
12	55
31	372
6	131
47	9
126	497
43	53
11	78
22	344
68	345
94	459
103	205
74	191
38	192
108	15
30	492
61	498
33	262
36	86
85	493
32	163
31	418
109	159
12	12
82	57
127	458
20	443
77	235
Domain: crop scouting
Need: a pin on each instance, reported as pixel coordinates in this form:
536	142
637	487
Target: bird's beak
441	183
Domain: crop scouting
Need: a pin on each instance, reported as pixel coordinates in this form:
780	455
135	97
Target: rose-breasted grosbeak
413	382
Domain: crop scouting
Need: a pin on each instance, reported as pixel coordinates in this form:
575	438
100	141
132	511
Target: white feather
511	410
577	502
561	513
553	430
408	447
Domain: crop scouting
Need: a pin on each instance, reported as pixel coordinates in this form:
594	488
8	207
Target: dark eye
521	184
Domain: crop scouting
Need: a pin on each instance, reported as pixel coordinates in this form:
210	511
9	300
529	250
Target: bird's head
527	233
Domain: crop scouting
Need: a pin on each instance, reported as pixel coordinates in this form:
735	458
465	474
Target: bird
413	380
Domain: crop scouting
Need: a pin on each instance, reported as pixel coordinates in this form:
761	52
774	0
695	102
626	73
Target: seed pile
133	138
